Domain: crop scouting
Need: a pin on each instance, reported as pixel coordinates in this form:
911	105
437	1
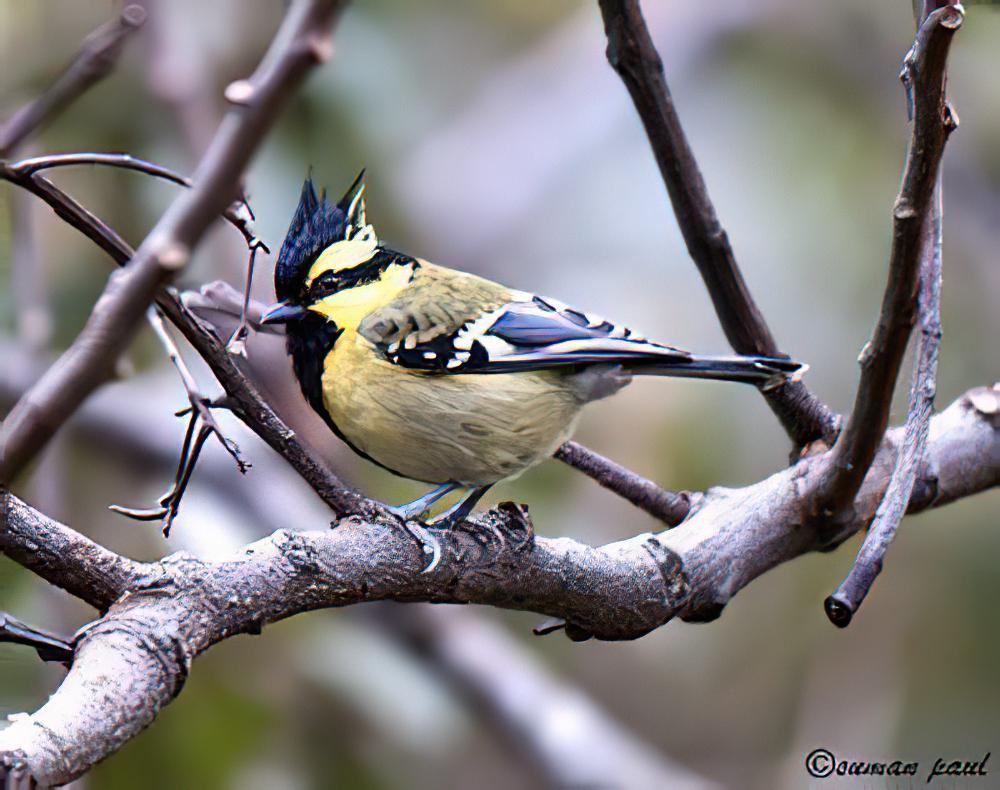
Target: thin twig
632	54
842	605
669	507
924	70
302	43
201	420
94	61
237	341
238	214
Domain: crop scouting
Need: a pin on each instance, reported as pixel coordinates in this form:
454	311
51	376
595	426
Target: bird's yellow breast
473	429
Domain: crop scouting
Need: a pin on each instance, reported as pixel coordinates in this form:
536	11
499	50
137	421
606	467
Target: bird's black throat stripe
309	341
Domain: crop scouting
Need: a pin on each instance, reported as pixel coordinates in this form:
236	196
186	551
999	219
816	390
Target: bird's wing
526	332
437	303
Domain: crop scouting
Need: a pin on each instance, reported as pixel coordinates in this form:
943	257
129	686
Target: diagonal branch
924	75
843	604
669	507
302	43
94	61
62	556
632	54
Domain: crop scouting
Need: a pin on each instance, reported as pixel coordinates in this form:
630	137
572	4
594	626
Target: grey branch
133	661
841	606
303	42
94	61
632	54
924	78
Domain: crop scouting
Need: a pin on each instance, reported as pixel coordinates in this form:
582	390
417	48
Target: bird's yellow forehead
343	255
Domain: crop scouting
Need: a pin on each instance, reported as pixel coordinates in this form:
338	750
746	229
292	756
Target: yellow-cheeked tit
445	377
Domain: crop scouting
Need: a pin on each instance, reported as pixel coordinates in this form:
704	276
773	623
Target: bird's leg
419	506
459	510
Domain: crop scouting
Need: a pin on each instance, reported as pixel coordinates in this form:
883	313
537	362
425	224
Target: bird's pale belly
471	429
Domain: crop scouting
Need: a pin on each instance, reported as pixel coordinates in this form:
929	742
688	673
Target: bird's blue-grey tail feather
762	371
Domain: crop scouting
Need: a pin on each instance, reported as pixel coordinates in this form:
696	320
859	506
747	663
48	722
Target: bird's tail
765	372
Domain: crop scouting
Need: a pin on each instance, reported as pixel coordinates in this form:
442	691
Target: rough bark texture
133	661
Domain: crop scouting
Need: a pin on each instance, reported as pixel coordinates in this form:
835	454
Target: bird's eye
324	285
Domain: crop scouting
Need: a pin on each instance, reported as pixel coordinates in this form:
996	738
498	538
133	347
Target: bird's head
328	247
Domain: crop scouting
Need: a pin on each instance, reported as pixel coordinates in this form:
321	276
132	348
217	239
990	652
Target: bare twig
632	54
94	61
237	214
302	43
843	604
201	425
667	506
923	69
48	646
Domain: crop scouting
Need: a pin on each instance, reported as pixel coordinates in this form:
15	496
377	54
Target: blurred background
498	140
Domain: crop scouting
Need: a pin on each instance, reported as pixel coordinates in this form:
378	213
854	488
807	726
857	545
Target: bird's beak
281	313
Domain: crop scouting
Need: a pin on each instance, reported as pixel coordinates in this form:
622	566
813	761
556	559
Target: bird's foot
419	507
429	545
458	512
423	533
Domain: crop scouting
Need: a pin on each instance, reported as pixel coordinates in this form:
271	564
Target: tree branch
668	507
924	76
302	43
134	660
94	61
842	605
632	54
21	173
62	556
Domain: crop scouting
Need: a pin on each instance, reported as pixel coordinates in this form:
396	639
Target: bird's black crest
316	224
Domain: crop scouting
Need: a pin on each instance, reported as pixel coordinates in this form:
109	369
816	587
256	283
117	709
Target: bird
445	377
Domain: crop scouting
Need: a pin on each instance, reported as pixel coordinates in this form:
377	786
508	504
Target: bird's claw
429	545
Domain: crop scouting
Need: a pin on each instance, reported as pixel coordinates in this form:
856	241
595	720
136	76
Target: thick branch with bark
133	661
632	54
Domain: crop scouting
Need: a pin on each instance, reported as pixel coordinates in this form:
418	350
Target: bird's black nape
316	224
